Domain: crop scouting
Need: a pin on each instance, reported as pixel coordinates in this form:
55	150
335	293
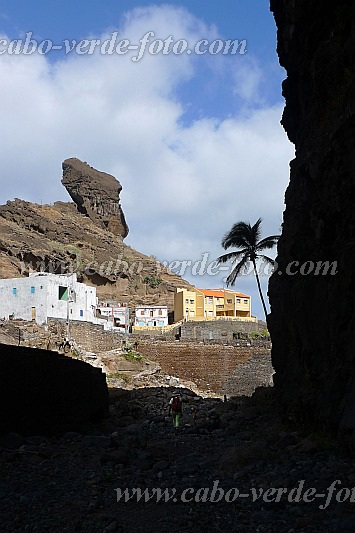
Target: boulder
96	195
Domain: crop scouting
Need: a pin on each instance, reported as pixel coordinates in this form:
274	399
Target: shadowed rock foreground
69	483
43	392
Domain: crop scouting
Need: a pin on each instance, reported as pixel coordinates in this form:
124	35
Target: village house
116	315
211	304
42	296
151	316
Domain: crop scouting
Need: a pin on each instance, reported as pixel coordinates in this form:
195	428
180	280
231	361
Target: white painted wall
19	295
118	313
151	316
38	297
81	303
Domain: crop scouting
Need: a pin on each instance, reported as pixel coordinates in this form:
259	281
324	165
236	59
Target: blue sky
194	140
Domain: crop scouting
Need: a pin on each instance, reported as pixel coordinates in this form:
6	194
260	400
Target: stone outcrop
65	237
43	392
312	319
96	195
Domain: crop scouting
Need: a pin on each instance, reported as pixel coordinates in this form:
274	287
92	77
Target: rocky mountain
85	237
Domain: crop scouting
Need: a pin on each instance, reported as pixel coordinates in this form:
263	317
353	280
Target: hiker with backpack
175	407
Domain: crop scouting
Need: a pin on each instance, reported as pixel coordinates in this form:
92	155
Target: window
14	291
238	300
32	290
192	301
81	312
160	313
63	293
229	301
210	300
142	313
246	302
186	301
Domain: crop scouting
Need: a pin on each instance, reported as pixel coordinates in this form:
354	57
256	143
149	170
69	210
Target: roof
213	292
219	293
151	307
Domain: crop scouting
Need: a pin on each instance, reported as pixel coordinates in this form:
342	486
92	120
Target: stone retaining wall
220	330
93	338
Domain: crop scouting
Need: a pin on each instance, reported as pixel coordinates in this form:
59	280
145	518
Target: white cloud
183	185
248	76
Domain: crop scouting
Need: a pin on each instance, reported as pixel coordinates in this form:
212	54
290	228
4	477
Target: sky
194	138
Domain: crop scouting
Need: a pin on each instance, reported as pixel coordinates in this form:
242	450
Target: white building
42	296
116	315
156	315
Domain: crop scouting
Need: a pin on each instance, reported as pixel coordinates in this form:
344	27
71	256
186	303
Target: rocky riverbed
224	456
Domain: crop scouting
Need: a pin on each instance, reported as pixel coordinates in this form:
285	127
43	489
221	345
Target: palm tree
247	237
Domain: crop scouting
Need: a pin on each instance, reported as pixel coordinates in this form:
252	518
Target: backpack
176	404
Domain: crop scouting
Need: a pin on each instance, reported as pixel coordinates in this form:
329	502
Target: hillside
85	237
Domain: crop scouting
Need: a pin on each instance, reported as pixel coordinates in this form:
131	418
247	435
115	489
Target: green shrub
265	333
152	280
255	335
131	354
119	375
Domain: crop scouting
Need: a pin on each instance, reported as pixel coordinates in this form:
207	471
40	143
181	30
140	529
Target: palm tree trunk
259	287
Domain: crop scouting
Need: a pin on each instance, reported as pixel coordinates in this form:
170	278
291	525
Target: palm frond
268	242
238	236
267	259
231	255
236	271
256	231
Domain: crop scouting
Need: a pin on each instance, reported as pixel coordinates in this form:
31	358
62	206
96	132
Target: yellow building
209	304
188	304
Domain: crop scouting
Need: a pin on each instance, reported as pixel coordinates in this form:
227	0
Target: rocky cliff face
86	238
313	313
96	195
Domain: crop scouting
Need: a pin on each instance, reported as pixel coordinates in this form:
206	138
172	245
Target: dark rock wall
312	319
43	392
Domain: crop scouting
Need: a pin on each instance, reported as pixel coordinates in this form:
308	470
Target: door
33	312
